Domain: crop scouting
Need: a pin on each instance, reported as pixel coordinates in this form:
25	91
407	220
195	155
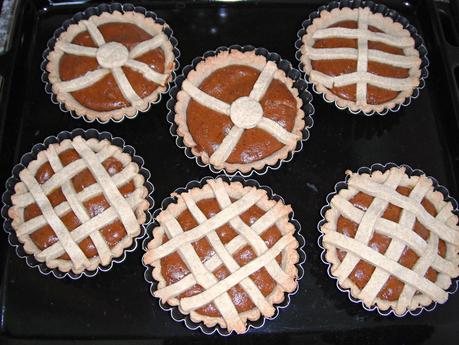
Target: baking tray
115	306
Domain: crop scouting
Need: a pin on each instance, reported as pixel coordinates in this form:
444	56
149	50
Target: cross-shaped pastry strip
112	56
245	113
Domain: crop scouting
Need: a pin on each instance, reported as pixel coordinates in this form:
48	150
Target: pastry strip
125	86
147	72
75	49
205	99
227	145
402	41
264	81
147	46
82	82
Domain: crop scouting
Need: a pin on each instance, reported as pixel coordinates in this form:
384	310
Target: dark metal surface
116	306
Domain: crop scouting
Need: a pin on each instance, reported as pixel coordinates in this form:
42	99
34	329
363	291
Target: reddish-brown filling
112	233
208	127
375	95
105	94
174	269
363	270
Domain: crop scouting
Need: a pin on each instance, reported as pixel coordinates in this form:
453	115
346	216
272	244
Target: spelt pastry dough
114	59
79	196
379	53
248	115
229	240
394	264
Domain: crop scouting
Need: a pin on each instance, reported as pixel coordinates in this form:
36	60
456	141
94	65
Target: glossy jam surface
375	95
105	94
363	270
112	233
208	128
174	269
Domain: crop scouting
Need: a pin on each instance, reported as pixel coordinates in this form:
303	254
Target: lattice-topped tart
361	60
238	111
112	65
224	254
79	204
392	240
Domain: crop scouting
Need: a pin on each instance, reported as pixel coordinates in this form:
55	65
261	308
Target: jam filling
362	272
174	269
375	95
112	233
105	94
208	128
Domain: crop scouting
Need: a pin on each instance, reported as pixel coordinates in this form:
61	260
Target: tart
79	204
238	111
392	240
361	60
111	65
224	254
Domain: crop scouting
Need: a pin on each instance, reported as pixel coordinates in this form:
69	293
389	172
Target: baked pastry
112	65
361	60
79	204
392	240
238	111
224	253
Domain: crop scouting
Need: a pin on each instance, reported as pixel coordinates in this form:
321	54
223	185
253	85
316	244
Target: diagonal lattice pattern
233	202
442	227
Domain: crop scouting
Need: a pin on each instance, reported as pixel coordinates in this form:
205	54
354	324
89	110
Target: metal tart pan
282	64
174	310
96	11
375	8
343	185
32	155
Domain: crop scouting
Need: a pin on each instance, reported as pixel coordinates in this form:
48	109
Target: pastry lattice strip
120	208
239	275
401	235
123	83
363	54
258	91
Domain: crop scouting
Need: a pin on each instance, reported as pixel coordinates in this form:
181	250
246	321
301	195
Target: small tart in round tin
80	204
361	60
238	111
225	254
392	239
111	65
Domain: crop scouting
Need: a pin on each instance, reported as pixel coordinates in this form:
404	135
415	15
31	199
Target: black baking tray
115	306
